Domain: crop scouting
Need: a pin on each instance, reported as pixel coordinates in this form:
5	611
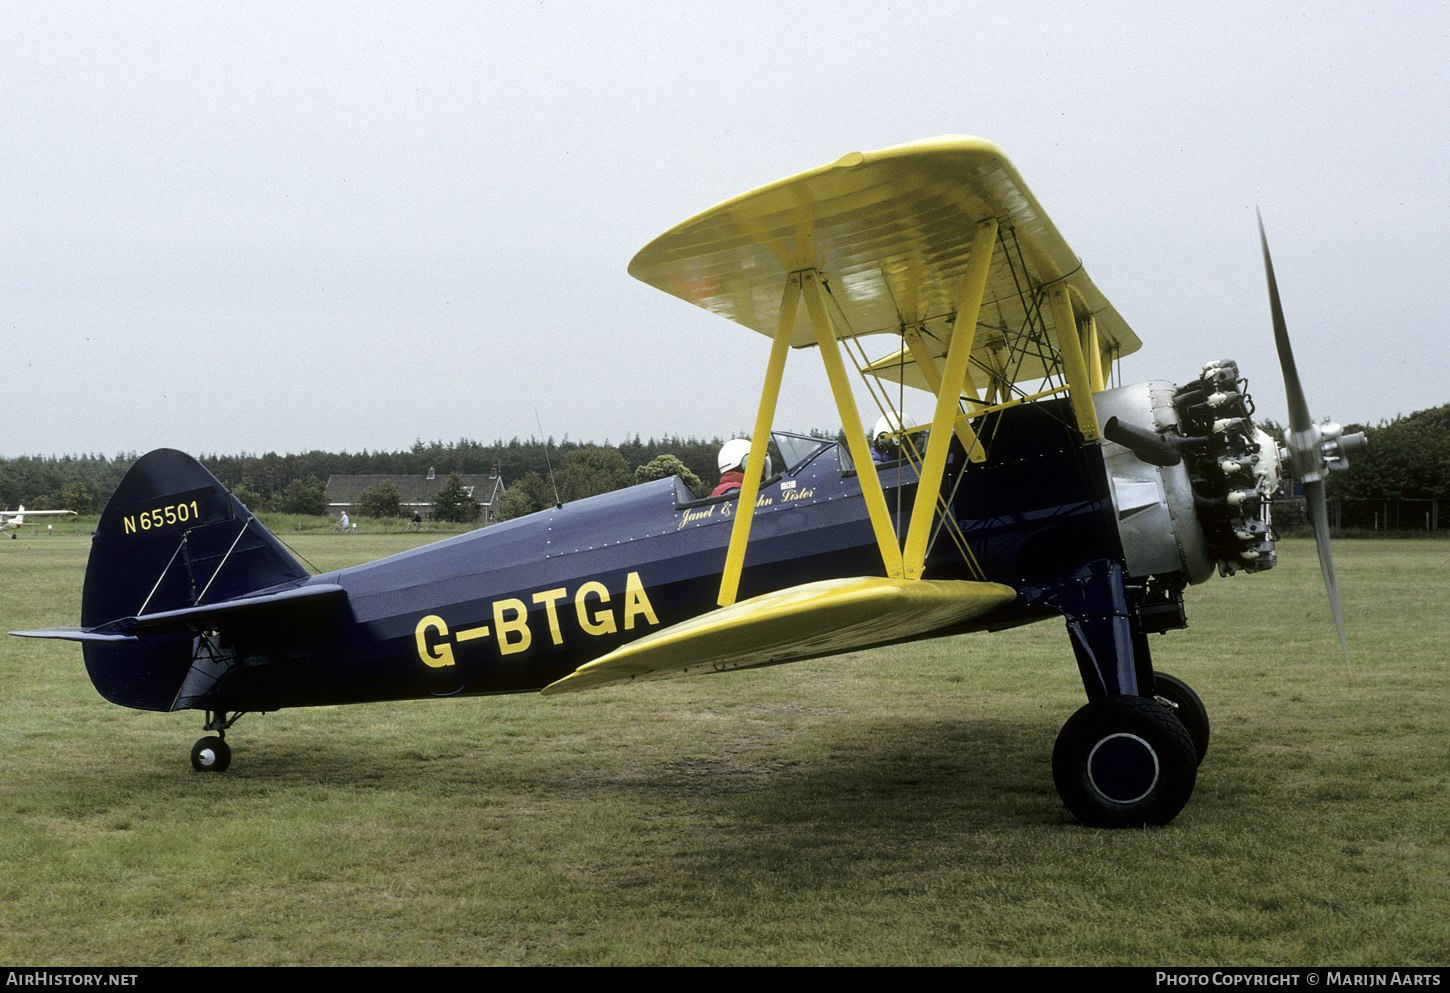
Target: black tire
1187	707
1124	761
211	755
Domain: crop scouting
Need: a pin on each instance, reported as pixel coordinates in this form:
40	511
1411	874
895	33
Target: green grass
886	807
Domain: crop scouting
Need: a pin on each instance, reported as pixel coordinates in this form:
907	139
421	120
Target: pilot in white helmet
885	437
733	455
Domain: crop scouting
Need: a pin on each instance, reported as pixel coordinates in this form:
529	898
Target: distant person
733	456
417	518
343	523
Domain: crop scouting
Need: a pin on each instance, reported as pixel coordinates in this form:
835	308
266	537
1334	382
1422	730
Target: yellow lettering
636	602
696	515
444	655
519	625
550	598
170	515
603	621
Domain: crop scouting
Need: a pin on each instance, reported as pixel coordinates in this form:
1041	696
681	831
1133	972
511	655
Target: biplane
1042	488
11	521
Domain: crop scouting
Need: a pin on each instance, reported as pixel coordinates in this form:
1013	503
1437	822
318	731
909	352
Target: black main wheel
1187	707
1124	761
211	755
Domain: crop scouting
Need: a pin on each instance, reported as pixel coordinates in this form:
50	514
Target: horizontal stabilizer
189	619
221	614
802	622
72	634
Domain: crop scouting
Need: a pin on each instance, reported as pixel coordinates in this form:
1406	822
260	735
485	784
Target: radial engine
1192	476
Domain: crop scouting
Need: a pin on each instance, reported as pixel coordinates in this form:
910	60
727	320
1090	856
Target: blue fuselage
518	605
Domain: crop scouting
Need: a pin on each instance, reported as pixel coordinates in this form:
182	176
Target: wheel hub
1122	768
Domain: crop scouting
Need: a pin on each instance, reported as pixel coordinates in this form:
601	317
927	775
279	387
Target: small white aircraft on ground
12	521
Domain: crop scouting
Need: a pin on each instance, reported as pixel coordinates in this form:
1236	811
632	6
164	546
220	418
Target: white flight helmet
883	435
733	455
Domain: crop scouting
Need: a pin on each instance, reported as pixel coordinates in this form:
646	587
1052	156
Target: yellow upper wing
890	232
801	622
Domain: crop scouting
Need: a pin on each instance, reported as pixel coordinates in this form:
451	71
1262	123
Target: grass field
885	807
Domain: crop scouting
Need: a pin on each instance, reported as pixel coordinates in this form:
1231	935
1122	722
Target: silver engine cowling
1191	475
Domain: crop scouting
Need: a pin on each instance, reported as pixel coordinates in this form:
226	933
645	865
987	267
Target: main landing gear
212	753
1124	761
1130	756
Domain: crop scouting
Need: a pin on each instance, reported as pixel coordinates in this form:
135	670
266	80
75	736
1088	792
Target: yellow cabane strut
1079	382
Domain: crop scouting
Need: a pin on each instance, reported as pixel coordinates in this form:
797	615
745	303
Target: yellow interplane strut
806	283
923	357
759	441
856	441
948	393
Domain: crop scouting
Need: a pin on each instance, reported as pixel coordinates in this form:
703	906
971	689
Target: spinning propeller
1313	449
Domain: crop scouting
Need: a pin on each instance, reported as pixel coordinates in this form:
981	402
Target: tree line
1408	458
84	483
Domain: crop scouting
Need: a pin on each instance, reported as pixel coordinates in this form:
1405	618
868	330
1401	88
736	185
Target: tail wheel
1187	707
211	754
1124	761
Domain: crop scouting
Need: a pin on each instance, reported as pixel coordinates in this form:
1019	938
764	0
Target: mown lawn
885	807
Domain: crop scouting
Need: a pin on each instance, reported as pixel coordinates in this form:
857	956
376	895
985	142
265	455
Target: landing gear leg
1124	759
212	753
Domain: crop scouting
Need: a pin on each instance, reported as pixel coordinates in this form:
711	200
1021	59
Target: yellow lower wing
822	618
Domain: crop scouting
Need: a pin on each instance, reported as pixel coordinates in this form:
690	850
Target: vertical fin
171	536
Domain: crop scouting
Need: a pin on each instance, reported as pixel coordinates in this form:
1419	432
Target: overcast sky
257	227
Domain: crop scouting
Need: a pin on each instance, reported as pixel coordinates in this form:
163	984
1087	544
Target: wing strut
851	421
964	333
948	388
807	283
759	441
1093	351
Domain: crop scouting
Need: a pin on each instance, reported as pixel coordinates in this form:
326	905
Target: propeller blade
1303	440
1319	516
1299	419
